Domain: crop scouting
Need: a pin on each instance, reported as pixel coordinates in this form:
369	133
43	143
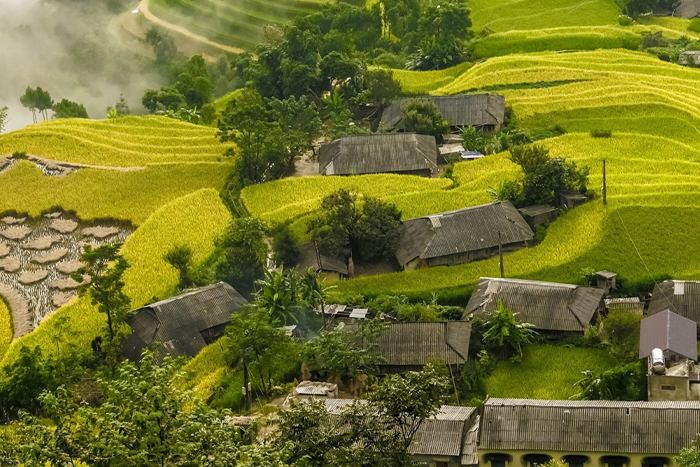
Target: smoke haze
65	47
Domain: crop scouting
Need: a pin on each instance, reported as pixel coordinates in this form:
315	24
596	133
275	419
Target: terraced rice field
237	23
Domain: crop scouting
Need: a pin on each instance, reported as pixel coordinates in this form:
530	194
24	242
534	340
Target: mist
68	48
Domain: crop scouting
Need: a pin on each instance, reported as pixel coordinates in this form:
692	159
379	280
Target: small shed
326	266
630	304
182	325
451	151
462	236
484	111
689	58
570	199
308	389
410	346
606	280
539	215
406	153
471	155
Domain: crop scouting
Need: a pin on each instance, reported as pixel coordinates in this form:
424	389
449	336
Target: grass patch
205	371
5	326
195	220
546	372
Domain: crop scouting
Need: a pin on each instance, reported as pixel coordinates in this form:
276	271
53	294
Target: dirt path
67	166
21	316
146	12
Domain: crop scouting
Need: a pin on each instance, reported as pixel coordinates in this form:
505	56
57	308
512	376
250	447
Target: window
497	460
655	461
531	460
441	464
667	387
615	461
575	461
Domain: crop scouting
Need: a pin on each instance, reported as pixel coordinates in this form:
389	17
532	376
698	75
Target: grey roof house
447	439
485	111
324	265
462	236
682	297
406	153
548	306
669	332
410	346
687	9
600	433
182	325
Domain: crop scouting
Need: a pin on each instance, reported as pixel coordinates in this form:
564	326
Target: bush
694	25
601	133
625	20
621	330
285	247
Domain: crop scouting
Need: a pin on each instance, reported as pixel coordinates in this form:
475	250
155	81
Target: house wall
475	255
670	388
433	461
420	173
594	457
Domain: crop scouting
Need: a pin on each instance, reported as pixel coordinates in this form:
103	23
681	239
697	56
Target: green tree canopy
180	257
242	253
504	332
424	118
69	109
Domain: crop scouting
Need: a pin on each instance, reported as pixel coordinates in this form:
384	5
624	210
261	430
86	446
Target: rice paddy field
546	372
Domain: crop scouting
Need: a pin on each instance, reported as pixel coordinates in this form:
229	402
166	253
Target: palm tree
315	292
504	330
278	295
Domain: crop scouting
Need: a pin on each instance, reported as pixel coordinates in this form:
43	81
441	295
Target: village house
462	236
327	267
682	297
524	432
540	215
669	342
448	439
406	154
410	346
687	9
483	111
689	58
554	309
182	325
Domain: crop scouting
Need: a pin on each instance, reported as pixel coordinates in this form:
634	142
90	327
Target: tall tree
242	254
423	117
180	257
300	125
163	44
28	100
104	268
3	118
69	109
44	103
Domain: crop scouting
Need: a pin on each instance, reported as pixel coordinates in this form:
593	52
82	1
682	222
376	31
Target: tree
690	456
284	246
28	100
194	83
546	177
371	231
621	383
180	257
44	103
621	329
338	70
167	98
300	126
242	254
143	419
424	118
69	109
262	348
504	331
279	294
381	89
634	8
3	118
163	44
315	292
105	267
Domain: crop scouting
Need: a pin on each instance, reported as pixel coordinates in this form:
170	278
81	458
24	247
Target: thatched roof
548	306
309	259
180	324
417	344
455	232
682	297
589	426
378	153
668	331
459	110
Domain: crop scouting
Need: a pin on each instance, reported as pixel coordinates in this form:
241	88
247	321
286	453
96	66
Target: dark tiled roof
180	323
589	426
669	331
682	297
546	305
458	110
413	344
378	153
455	232
309	259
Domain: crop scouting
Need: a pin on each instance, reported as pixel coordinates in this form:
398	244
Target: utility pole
605	189
500	253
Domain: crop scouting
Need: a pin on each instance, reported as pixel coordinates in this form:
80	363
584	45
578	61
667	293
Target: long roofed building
406	153
484	111
462	236
548	306
182	325
682	297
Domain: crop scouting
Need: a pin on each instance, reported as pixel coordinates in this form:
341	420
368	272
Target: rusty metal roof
589	426
547	306
669	331
378	153
469	229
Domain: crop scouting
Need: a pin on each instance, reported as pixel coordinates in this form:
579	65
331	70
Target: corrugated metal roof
682	297
668	331
589	426
309	259
469	229
178	323
546	305
413	344
470	455
378	153
459	110
687	9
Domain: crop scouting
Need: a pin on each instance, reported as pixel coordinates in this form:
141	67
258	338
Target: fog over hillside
65	47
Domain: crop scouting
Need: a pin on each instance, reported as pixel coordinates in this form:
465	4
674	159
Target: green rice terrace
162	182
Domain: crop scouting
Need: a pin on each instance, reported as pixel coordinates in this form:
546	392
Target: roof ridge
536	282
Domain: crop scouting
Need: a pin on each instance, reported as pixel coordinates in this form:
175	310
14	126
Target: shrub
424	118
625	20
598	133
694	25
284	246
621	330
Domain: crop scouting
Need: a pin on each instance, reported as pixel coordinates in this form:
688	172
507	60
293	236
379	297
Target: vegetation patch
5	327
